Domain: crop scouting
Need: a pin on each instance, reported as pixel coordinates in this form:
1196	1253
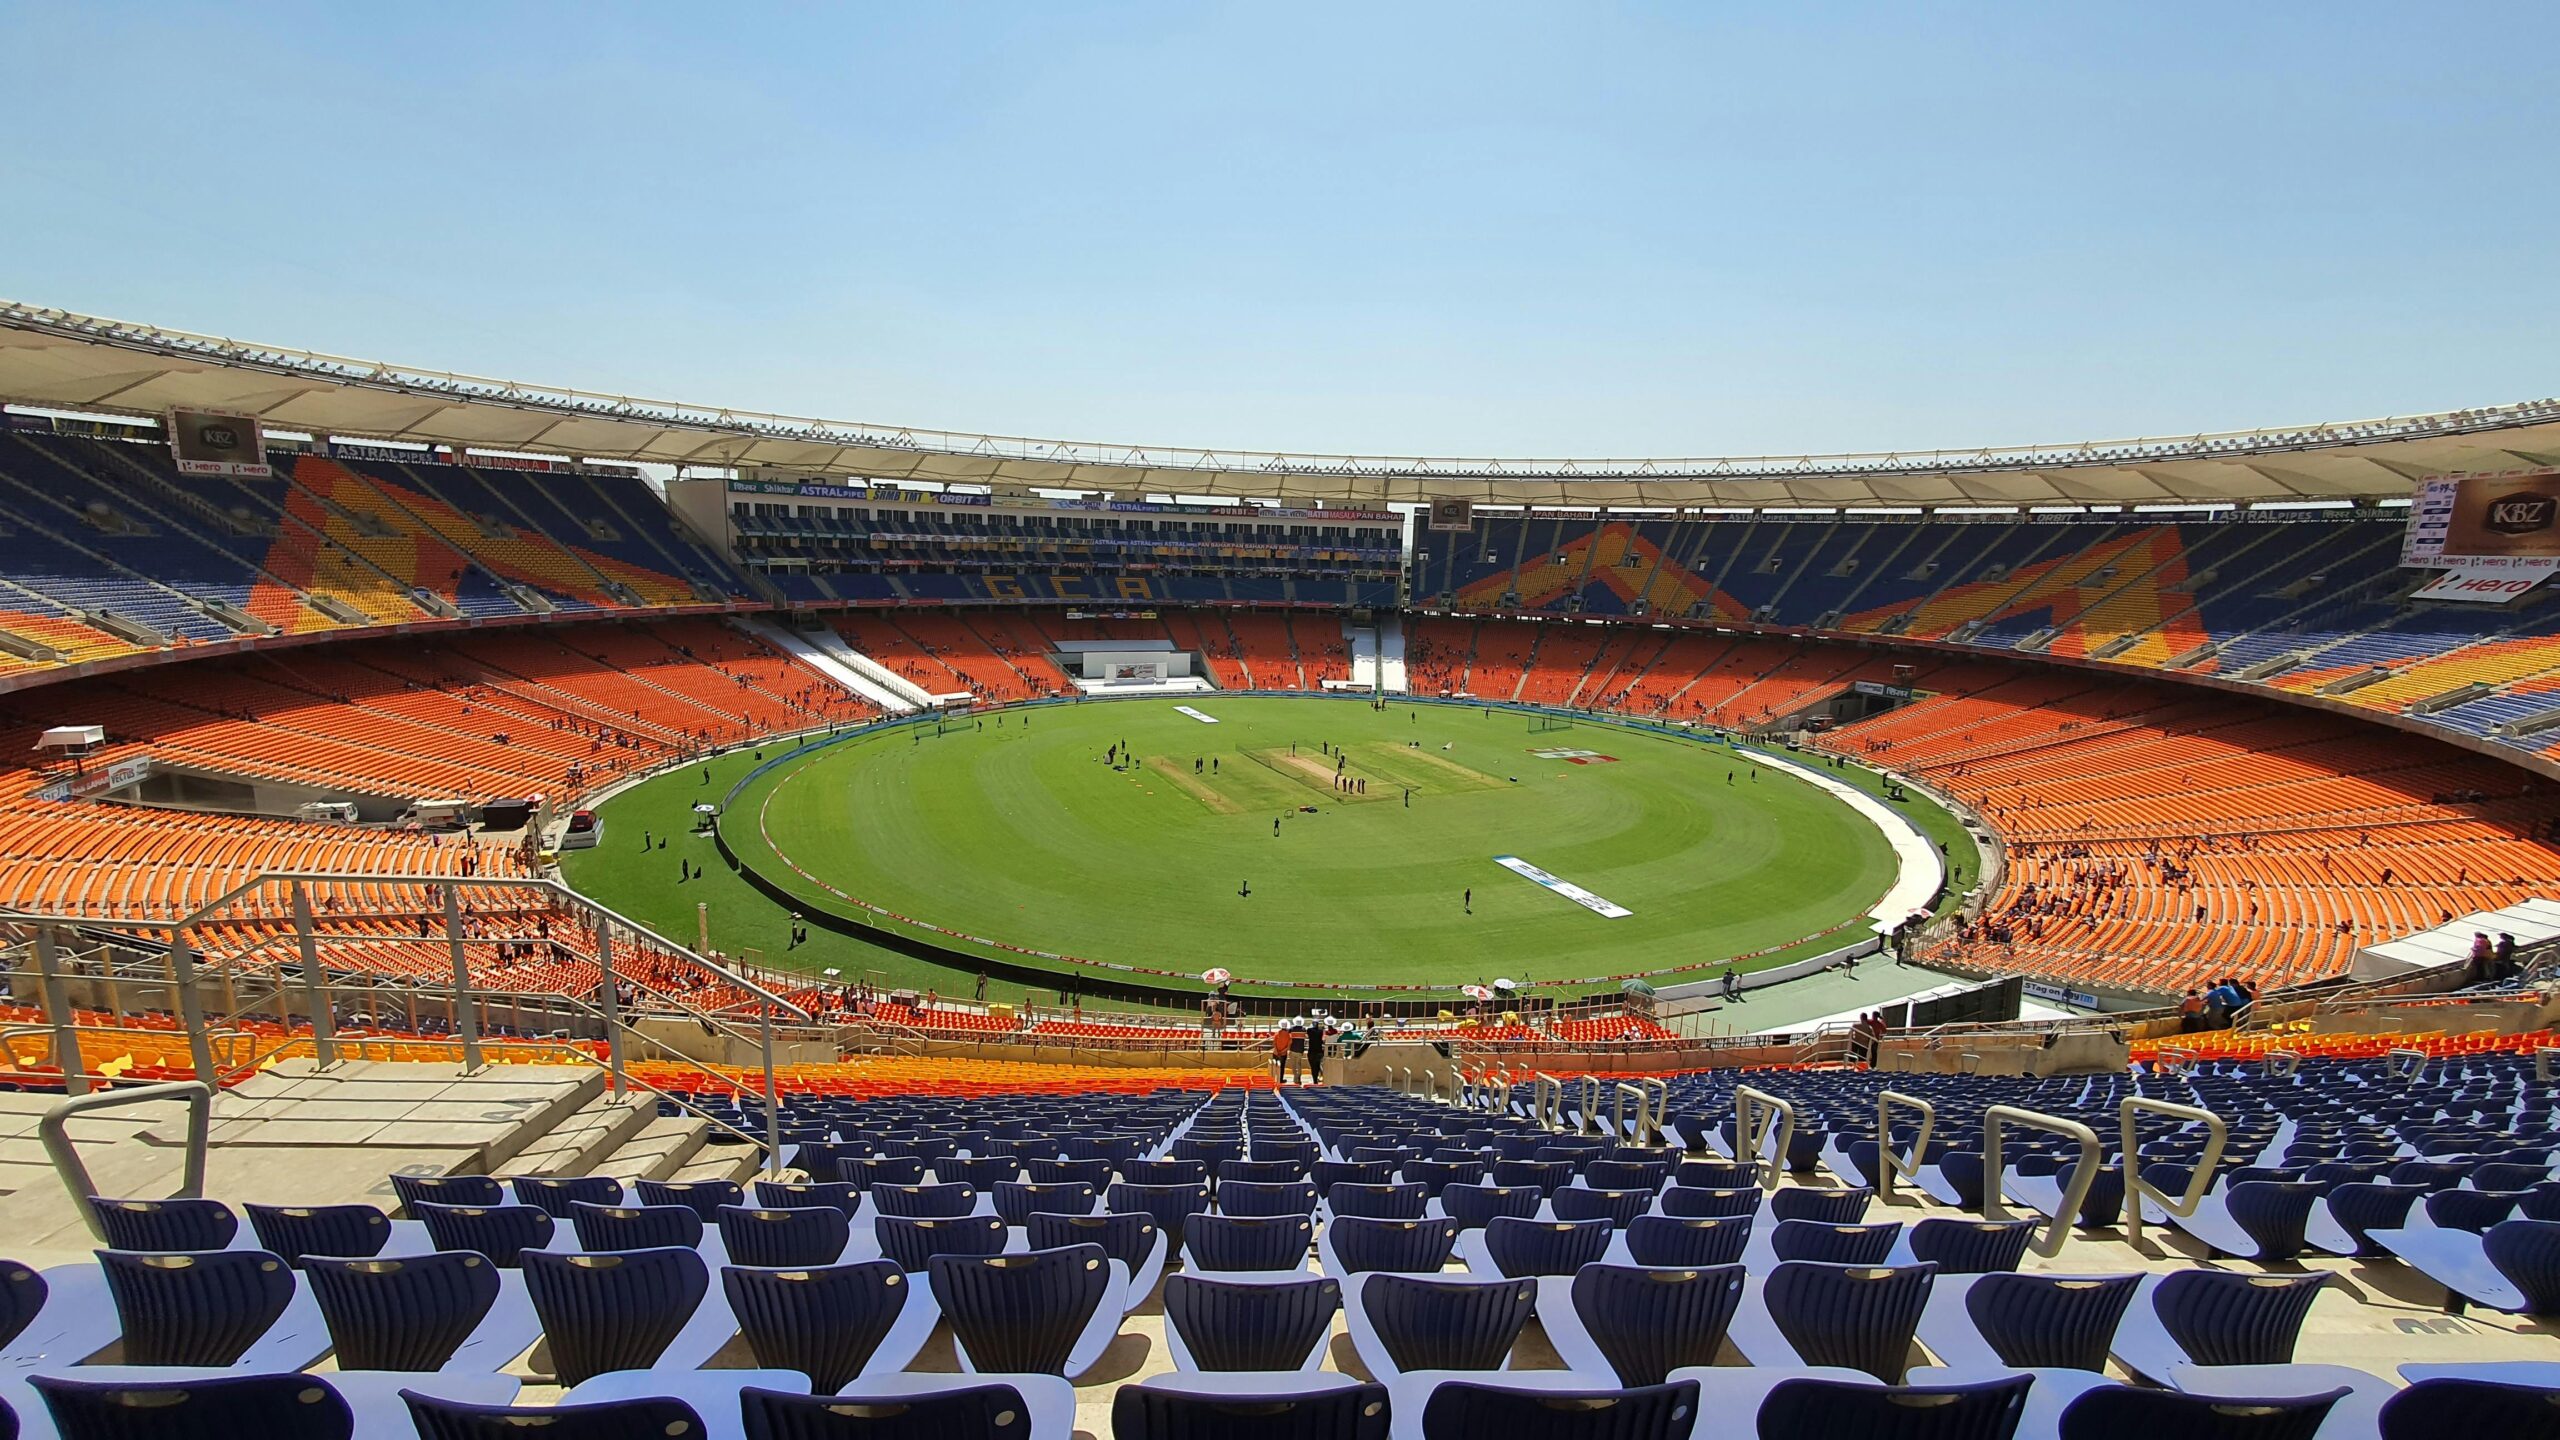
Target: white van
441	814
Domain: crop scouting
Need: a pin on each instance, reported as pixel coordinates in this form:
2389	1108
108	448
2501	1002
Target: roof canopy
76	362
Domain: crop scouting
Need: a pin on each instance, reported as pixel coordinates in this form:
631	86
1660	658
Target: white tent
2530	921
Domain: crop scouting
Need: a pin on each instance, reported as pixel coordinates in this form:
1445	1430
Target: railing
2199	1182
1755	1113
1892	1164
1653	1109
2075	1192
54	1129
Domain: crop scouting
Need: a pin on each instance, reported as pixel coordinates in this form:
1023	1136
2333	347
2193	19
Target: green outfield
1231	844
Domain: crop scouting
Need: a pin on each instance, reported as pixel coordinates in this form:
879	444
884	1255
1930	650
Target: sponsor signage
2511	515
1453	514
2479	586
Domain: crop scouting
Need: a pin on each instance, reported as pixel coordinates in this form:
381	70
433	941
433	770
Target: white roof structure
58	359
2530	921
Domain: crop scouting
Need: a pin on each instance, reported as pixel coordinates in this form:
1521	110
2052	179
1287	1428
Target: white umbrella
1504	985
1475	992
1216	977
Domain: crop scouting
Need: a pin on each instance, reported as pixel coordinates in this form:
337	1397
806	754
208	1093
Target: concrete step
658	1150
595	1131
720	1162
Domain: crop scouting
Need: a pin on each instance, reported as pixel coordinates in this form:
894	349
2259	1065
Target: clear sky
1411	228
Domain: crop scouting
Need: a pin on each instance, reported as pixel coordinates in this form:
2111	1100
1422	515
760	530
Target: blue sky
1475	228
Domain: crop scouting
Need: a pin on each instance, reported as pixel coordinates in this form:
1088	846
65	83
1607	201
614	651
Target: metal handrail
2283	1064
1754	1112
1546	1100
1890	1163
2084	1171
2407	1064
1653	1108
1590	1106
2137	1189
54	1129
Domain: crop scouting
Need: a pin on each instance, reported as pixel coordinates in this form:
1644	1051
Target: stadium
1630	889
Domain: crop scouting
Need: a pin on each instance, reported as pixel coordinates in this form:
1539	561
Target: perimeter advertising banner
214	442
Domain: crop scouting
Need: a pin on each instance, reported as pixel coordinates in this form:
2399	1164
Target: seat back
2274	1212
993	1411
501	1232
1645	1175
1246	1242
1095	1173
271	1407
863	1172
1683	1201
1127	1238
1021	1314
1982	1410
298	1231
2049	1321
22	1296
2433	1409
1545	1247
1168	1205
635	1227
983	1171
1971	1247
165	1224
613	1312
2121	1412
1860	1317
1436	1176
1258	1197
1829	1207
1650	1322
201	1307
1231	1325
1152	1412
1707	1240
1468	1410
841	1195
405	1312
1548	1176
1414	1247
476	1190
702	1197
1472	1206
771	1238
603	1420
825	1321
1618	1207
1430	1323
1834	1244
948	1201
2225	1317
554	1194
2527	1252
913	1242
1018	1200
1378	1202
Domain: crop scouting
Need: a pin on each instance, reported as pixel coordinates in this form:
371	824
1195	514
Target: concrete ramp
828	653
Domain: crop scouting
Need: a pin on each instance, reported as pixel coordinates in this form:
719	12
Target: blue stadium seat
1664	1240
1472	1206
976	1411
1018	1200
1618	1207
475	1190
408	1312
1514	1247
22	1296
605	1420
1248	1198
827	1322
1970	1247
1036	1313
1219	1324
1641	1323
271	1407
634	1227
1834	1244
299	1231
809	1235
702	1197
1807	1409
2033	1320
1415	1322
1239	1242
1170	1204
2433	1408
554	1194
2122	1412
925	1202
1356	1245
1827	1207
841	1195
165	1224
1250	1407
1858	1317
1684	1202
504	1233
913	1243
203	1307
1378	1201
613	1312
2214	1317
1466	1410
